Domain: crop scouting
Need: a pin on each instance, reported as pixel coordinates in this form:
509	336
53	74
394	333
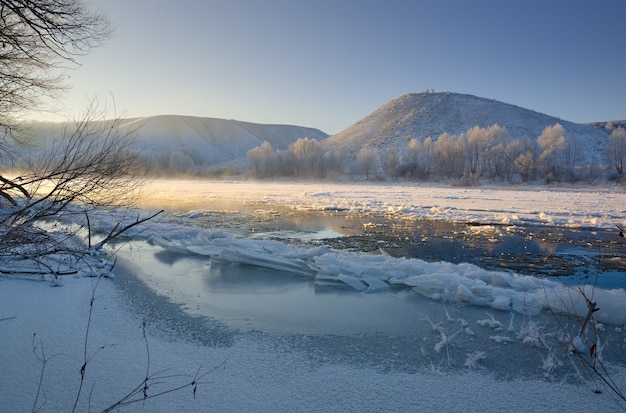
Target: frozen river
327	316
555	232
302	297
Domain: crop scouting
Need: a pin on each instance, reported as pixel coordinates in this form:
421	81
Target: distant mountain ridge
190	143
420	115
215	140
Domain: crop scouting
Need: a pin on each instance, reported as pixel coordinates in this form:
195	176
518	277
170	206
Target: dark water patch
539	251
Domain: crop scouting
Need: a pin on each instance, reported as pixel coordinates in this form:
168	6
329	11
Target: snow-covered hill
421	115
187	143
217	140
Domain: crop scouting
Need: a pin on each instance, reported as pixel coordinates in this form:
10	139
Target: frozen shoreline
255	376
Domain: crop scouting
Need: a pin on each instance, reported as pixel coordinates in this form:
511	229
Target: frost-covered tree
412	156
308	157
616	151
571	157
476	143
551	141
391	162
367	161
261	159
512	152
484	151
450	155
333	163
525	165
494	159
428	156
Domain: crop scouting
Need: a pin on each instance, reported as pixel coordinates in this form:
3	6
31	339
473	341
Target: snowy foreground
252	371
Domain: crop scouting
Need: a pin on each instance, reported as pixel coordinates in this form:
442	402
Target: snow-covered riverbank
250	376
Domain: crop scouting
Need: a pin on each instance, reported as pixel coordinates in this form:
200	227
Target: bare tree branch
35	37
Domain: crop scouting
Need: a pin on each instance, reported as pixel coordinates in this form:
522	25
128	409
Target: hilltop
609	125
422	115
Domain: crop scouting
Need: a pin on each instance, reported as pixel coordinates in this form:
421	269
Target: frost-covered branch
89	168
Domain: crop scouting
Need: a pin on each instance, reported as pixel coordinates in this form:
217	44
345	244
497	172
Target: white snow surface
260	378
576	207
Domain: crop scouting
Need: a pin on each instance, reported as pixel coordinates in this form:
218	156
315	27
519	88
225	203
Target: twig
115	232
592	308
138	390
85	346
44	361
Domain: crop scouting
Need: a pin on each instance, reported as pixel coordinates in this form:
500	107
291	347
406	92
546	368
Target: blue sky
329	63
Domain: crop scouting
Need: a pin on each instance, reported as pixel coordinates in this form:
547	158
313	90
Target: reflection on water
307	235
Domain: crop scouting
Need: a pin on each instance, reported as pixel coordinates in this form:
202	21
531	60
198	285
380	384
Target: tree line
478	155
305	157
